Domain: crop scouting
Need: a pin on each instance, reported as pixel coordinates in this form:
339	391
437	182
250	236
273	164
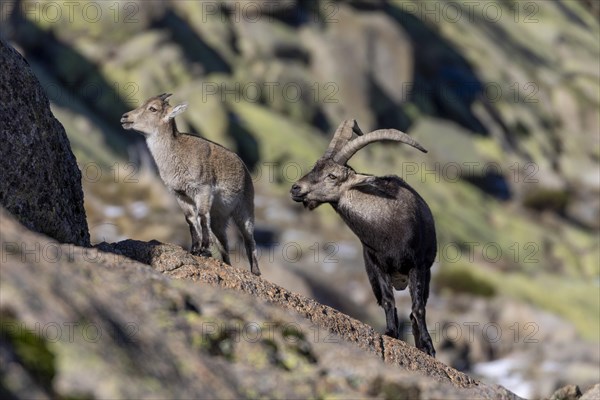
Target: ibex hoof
255	271
201	252
391	333
428	349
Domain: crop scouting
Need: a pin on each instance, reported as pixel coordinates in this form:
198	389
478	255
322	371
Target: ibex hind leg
245	223
219	228
419	293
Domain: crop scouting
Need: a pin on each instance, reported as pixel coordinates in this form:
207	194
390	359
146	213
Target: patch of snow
104	232
259	201
347	250
139	209
114	211
357	292
279	214
551	366
329	267
505	372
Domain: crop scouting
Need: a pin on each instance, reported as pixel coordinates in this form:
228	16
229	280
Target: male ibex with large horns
389	217
212	185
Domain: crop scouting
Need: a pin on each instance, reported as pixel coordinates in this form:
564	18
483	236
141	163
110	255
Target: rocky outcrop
40	182
573	392
592	393
174	261
73	317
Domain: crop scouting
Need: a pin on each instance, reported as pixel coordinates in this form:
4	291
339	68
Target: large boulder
40	182
363	65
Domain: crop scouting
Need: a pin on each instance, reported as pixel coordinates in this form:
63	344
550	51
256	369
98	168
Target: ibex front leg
191	217
384	293
203	200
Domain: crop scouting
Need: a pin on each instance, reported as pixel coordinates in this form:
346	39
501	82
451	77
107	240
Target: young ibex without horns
392	221
212	185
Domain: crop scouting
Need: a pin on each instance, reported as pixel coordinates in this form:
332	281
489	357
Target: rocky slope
87	316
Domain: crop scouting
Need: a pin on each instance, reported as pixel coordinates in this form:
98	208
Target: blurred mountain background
505	96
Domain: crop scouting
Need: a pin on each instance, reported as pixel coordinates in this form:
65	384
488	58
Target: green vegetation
31	350
574	299
217	339
462	278
547	199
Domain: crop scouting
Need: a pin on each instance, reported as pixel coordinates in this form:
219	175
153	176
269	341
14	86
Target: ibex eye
152	109
332	176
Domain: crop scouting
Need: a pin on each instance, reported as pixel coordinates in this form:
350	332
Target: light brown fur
211	183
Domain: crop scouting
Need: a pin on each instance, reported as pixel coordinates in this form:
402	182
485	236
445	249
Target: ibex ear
175	111
374	185
360	180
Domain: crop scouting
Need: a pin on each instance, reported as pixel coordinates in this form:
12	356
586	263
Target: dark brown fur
394	225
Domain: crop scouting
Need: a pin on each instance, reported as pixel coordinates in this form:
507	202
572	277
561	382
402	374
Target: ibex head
150	116
331	177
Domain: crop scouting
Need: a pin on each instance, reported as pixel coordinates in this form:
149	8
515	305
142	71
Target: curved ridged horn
351	148
342	135
164	96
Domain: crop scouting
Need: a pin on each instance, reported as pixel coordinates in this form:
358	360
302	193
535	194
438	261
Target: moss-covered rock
462	278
